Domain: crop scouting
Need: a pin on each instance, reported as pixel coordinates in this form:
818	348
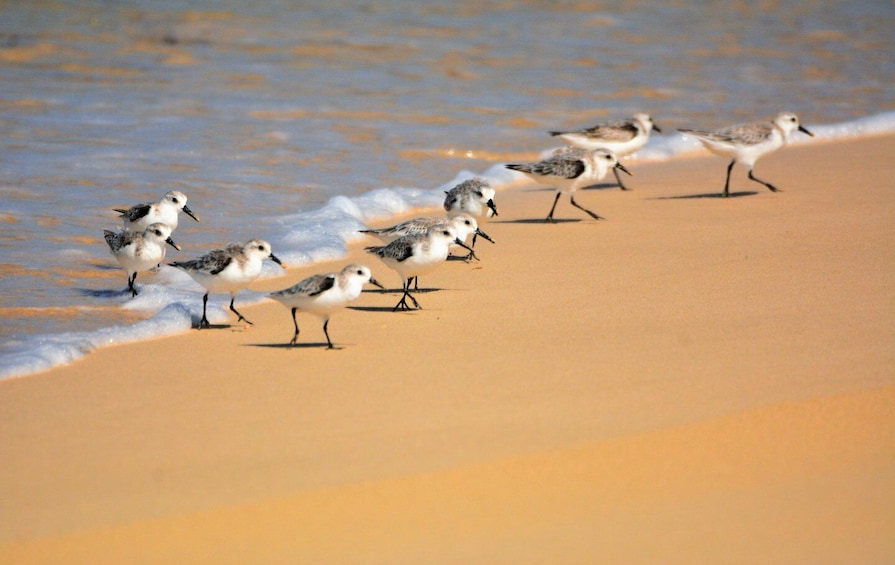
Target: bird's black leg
618	179
549	218
241	318
726	192
326	333
295	323
203	323
585	210
770	186
130	284
402	304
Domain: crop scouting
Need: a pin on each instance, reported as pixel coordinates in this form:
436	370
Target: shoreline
56	349
702	336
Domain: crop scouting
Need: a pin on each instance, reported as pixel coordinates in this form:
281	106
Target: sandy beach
695	379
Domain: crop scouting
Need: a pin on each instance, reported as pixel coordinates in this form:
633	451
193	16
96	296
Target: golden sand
694	380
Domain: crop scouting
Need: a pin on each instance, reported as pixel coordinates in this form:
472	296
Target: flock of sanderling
417	247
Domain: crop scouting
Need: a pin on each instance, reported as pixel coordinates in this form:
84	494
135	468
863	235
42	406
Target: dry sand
693	380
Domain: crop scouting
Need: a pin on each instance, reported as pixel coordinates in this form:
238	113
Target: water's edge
312	237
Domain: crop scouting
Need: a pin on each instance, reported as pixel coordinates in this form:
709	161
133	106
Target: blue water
298	123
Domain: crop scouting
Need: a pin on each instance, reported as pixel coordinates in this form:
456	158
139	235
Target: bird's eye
360	272
479	193
174	200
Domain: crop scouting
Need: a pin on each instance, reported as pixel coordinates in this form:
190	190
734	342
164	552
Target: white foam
314	236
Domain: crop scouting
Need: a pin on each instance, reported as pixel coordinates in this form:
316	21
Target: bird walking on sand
166	211
139	251
228	270
622	137
464	224
325	294
414	255
570	169
746	143
474	197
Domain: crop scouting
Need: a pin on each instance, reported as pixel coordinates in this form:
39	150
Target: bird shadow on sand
706	195
372	308
401	291
602	186
104	292
195	326
307	345
538	221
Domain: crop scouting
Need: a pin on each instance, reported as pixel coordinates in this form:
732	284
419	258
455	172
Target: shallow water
299	123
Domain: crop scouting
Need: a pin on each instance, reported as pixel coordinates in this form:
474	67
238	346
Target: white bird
474	196
139	251
570	169
166	211
465	225
228	270
622	137
324	295
414	255
746	143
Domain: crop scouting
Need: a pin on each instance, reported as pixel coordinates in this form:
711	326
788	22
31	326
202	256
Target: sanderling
746	143
463	223
228	270
325	294
414	255
473	196
139	251
166	211
622	137
570	169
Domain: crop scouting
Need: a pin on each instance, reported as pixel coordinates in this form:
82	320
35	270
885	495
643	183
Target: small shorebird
166	211
474	197
139	251
746	143
464	224
414	255
228	270
324	295
570	169
622	137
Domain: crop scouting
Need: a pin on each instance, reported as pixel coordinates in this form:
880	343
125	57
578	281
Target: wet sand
693	379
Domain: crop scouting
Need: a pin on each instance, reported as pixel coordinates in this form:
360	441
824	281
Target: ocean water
300	122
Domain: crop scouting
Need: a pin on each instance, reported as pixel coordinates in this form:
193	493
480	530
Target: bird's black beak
170	242
657	128
492	205
803	130
190	213
622	167
276	260
480	233
374	282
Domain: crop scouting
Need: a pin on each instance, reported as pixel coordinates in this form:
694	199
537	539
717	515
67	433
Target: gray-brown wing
400	250
562	165
621	130
213	262
135	213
